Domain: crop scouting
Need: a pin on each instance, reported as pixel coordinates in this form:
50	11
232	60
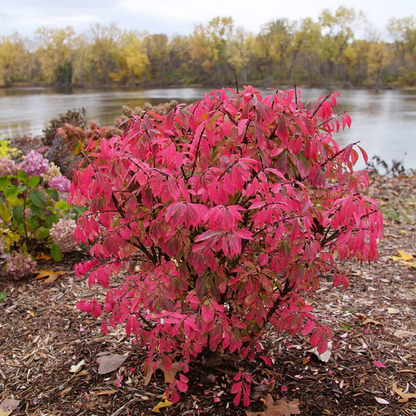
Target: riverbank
260	84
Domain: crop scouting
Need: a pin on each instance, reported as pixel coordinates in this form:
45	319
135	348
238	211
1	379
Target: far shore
147	86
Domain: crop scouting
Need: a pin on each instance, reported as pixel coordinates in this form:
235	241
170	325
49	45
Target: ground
43	334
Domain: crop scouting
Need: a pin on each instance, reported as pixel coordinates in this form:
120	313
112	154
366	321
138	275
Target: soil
43	334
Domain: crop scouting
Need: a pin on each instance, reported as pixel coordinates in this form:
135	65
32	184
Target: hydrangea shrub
29	207
20	264
62	234
34	164
60	183
225	217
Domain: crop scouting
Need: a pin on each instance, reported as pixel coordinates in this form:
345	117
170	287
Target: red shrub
224	217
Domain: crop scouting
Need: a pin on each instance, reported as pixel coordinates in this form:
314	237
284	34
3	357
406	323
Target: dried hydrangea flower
60	183
8	167
62	234
53	172
20	264
34	164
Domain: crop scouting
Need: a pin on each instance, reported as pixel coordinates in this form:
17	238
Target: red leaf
182	387
266	359
309	326
282	131
379	364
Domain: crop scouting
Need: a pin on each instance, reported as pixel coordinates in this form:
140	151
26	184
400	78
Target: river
384	122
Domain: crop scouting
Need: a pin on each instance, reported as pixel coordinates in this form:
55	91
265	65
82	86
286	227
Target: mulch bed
42	334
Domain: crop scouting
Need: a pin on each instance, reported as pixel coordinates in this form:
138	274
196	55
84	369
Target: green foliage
7	151
28	210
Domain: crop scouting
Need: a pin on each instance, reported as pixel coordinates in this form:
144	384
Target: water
384	122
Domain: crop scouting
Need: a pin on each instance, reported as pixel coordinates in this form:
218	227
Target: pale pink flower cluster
62	234
60	183
7	167
20	264
34	164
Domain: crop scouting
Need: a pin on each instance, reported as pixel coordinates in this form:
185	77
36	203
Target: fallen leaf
403	256
404	396
104	392
170	375
392	311
49	274
163	403
381	401
281	408
67	390
379	364
372	321
325	356
402	334
76	368
42	256
109	363
7	406
81	373
3	295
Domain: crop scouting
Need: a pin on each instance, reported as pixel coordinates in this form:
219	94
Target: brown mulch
42	334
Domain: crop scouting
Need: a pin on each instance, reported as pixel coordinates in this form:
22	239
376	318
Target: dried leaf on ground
372	321
403	256
76	368
109	363
404	259
325	356
381	401
163	403
104	392
280	408
402	334
7	406
170	375
404	396
392	311
50	275
67	390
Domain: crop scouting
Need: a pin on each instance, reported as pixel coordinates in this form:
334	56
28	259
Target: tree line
307	52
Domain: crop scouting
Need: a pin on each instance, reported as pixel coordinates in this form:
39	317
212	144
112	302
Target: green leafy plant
6	151
29	206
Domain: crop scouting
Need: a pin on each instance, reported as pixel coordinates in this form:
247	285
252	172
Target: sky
178	17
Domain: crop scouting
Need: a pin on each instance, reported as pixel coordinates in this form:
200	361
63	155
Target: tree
403	33
306	46
207	48
55	51
338	33
14	59
378	59
104	53
133	57
157	47
238	48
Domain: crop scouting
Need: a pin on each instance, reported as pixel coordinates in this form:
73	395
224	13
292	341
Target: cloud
180	16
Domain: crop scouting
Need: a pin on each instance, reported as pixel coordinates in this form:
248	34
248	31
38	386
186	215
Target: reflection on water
384	122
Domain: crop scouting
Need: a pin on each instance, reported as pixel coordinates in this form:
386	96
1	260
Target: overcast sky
178	17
